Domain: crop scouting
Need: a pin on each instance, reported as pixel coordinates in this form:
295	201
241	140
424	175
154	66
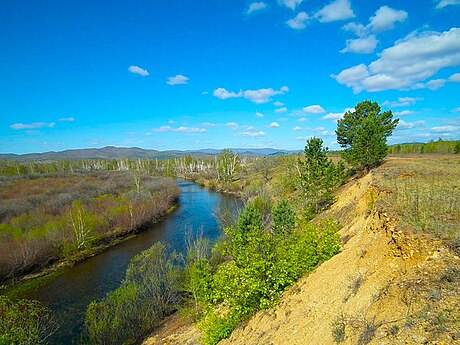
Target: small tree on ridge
363	133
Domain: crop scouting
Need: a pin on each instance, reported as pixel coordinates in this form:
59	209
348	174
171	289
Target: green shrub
25	322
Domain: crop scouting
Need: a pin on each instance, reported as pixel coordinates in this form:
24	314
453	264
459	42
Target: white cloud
278	104
222	93
177	80
299	22
362	45
403	102
445	129
281	110
208	124
292	4
337	10
33	125
411	60
454	78
256	6
409	125
444	3
264	95
352	77
302	119
232	125
257	96
181	129
67	119
297	128
259	115
250	134
274	125
358	29
137	70
314	109
385	19
333	116
403	113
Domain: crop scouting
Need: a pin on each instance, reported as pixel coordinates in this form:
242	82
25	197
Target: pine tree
317	175
363	133
283	219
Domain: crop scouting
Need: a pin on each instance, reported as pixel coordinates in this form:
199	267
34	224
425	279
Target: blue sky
181	74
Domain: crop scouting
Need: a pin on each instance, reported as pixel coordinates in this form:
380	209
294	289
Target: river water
68	294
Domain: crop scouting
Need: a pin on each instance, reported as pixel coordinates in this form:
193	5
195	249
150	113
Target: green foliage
24	322
319	176
283	219
438	146
262	266
363	133
150	291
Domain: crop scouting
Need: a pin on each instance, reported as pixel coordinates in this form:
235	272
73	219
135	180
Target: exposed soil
386	286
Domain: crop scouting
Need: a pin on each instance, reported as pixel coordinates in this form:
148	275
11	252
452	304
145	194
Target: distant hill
112	152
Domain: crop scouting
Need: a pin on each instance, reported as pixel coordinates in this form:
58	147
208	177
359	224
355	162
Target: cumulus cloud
297	128
292	4
66	119
139	71
181	129
436	84
222	93
336	10
403	113
333	116
259	115
281	110
274	125
299	22
208	124
232	125
264	95
278	104
385	19
445	129
403	102
302	119
256	6
409	61
444	3
402	125
362	45
33	125
250	134
314	109
177	80
257	96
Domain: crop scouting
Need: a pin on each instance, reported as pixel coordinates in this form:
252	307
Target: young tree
363	133
317	175
283	219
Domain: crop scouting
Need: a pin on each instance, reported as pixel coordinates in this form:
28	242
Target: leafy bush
24	322
150	291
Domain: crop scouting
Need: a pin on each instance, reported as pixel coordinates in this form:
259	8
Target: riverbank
18	288
50	222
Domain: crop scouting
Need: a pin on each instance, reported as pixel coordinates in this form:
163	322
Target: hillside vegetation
395	281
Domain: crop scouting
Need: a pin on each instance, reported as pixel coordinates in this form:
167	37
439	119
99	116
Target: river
68	294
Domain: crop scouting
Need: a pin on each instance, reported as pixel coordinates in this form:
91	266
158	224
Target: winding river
68	294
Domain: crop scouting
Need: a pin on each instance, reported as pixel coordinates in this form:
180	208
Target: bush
25	322
150	291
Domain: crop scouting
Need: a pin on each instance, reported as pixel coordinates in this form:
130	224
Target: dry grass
425	192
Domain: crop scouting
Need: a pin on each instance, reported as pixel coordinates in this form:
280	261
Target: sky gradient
181	74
